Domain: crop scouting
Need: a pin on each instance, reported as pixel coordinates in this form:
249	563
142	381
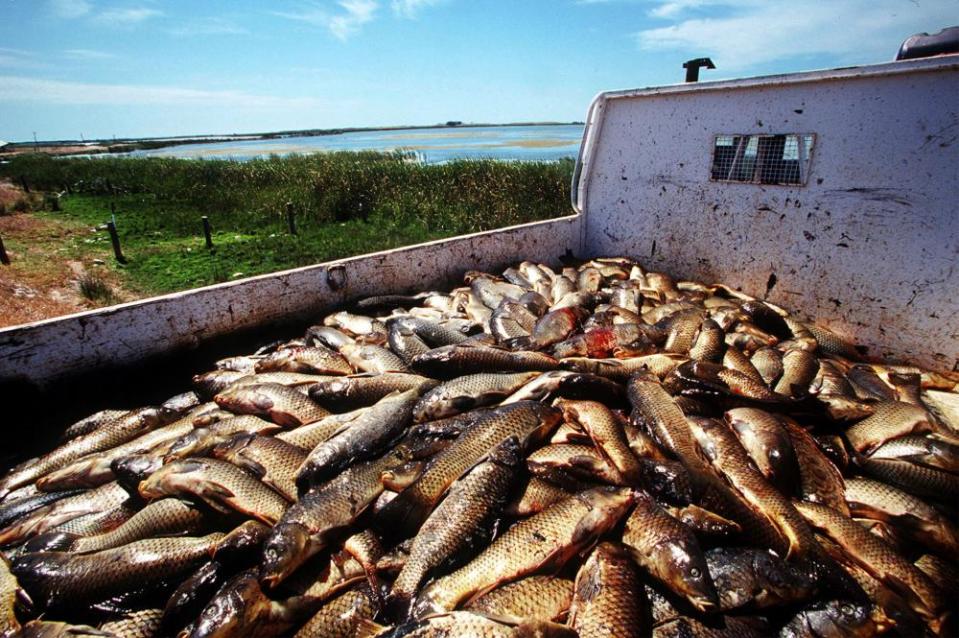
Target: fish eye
847	609
694	572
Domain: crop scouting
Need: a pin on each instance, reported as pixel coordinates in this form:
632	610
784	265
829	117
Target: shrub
94	288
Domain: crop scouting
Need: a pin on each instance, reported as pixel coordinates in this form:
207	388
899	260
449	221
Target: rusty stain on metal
336	277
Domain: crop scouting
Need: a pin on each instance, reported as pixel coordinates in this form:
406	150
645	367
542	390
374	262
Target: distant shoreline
126	145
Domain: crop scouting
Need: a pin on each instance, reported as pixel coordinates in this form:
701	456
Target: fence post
206	232
4	258
291	218
115	240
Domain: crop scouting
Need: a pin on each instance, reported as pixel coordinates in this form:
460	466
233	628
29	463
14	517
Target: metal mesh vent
762	159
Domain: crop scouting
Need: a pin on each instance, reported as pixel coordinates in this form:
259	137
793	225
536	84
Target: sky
139	68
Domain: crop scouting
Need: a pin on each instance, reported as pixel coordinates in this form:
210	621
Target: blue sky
150	67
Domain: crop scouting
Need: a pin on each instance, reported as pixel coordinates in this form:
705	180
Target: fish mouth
704	603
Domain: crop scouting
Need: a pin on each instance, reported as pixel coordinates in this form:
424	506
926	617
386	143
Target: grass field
345	204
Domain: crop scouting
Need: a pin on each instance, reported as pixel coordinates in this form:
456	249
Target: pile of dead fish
595	451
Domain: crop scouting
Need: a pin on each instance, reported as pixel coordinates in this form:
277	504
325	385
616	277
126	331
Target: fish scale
168	516
108	436
307	526
220	484
340	617
607	602
8	599
668	550
138	624
532	598
58	580
278	403
365	437
911	515
880	560
103	498
525	420
467	392
470	503
272	460
547	539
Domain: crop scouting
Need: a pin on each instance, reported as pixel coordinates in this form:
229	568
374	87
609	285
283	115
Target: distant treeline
463	195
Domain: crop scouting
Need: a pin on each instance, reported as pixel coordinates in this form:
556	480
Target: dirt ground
54	149
42	280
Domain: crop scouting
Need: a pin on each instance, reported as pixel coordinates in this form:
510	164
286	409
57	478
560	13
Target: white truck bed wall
883	181
45	351
869	246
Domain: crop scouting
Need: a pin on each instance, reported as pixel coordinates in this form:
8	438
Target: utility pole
36	147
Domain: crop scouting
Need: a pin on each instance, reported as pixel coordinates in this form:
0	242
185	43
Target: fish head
592	386
244	400
666	479
131	470
209	384
189	443
787	580
548	416
235	610
840	618
230	448
402	476
687	573
52	541
508	453
283	551
182	402
172	478
243	539
34	571
705	433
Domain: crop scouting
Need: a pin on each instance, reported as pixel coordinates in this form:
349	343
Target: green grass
164	256
346	204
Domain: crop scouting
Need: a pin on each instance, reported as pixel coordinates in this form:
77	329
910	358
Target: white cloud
358	13
342	24
409	8
87	54
127	17
18	58
208	26
757	32
70	9
16	89
672	8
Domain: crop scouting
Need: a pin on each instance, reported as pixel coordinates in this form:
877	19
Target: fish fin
503	619
251	465
214	495
369	629
23	601
519	343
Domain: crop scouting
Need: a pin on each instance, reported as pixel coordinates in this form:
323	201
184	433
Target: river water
434	145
